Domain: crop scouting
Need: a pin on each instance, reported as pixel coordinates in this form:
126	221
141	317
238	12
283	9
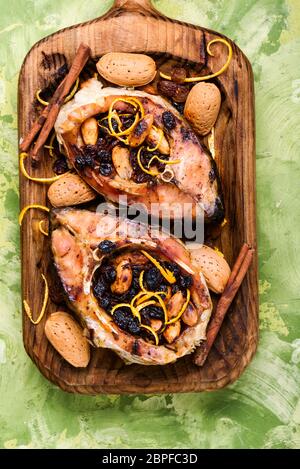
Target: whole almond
66	336
70	190
202	107
125	69
213	266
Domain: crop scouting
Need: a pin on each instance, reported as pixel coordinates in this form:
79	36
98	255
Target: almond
190	317
70	190
172	331
202	107
141	131
121	162
154	138
125	69
89	131
213	266
66	336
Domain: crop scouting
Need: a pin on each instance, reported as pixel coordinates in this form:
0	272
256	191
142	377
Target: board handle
133	5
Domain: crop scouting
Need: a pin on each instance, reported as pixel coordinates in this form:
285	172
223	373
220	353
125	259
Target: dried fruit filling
137	293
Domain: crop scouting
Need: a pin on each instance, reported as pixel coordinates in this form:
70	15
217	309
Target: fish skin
193	182
74	235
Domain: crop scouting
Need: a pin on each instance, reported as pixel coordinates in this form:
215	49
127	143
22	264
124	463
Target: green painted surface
262	409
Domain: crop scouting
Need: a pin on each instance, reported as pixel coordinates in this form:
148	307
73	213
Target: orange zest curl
45	301
23	156
28	207
213	75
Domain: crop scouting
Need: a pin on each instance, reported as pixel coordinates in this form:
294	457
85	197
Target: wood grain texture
235	156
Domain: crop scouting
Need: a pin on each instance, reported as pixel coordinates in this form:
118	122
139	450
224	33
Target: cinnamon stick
236	278
46	120
38	124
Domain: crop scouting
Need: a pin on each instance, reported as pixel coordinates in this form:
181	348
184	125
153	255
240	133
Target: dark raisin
153	278
136	270
160	166
134	327
60	165
163	288
142	177
115	125
154	312
105	169
174	268
185	281
173	91
175	288
212	175
127	122
169	120
99	289
135	282
103	132
101	142
105	301
89	160
109	273
113	143
121	317
90	152
80	162
188	135
107	246
178	74
124	319
104	156
179	107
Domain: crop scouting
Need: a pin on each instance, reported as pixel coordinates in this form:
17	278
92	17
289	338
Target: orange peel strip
213	75
40	100
23	156
28	207
44	232
148	328
127	305
155	157
166	273
147	171
159	140
45	301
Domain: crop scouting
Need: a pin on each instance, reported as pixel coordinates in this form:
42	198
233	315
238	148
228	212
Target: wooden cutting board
135	26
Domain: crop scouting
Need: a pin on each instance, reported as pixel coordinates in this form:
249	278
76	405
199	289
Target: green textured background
262	409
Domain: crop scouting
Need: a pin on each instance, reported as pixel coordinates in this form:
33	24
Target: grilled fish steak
196	182
75	235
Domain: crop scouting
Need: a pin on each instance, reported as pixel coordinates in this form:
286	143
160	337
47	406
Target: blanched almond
123	279
156	324
125	69
70	190
172	332
202	107
190	316
175	304
213	266
153	139
66	336
121	162
141	131
89	131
